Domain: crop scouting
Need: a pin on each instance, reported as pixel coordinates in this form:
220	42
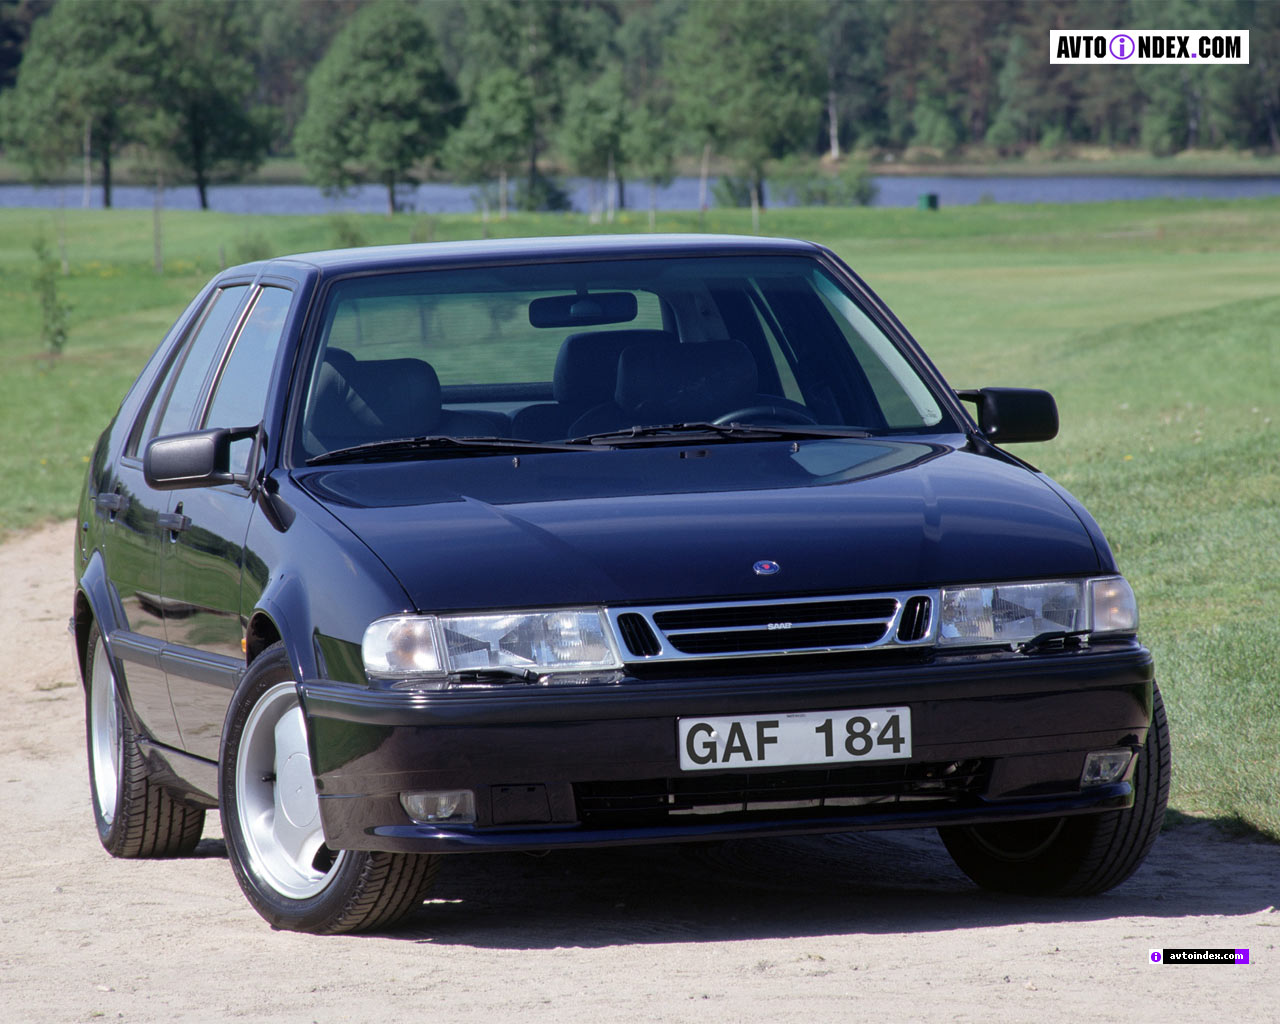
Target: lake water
682	194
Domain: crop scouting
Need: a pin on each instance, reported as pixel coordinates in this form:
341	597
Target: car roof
519	250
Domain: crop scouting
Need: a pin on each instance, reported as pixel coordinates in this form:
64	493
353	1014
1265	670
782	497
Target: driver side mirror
1009	415
198	459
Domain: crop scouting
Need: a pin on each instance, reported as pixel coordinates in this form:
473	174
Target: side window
175	408
241	391
218	310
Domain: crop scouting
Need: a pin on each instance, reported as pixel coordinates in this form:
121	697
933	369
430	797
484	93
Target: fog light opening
454	806
1103	767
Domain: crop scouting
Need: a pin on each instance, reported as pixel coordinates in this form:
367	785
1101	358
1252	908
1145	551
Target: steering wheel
785	413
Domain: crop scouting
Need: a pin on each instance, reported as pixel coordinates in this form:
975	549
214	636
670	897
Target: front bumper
996	737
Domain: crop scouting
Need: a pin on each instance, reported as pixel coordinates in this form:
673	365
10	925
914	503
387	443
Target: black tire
288	874
1078	855
135	816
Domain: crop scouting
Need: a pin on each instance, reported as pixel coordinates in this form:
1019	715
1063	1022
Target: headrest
404	393
340	359
587	366
686	383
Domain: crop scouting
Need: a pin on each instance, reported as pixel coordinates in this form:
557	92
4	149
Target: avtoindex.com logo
1198	956
1148	46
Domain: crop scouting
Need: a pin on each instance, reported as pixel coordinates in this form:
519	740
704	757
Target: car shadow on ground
869	882
776	888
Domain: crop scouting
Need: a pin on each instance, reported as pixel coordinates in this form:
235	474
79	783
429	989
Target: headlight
1014	613
560	645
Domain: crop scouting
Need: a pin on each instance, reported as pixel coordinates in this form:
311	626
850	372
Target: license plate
803	737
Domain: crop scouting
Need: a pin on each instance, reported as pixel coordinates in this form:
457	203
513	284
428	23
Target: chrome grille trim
802	625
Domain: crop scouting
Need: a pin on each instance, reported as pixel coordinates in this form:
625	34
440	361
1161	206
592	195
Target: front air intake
916	614
637	636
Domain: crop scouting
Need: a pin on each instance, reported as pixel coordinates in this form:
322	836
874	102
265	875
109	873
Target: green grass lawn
1154	323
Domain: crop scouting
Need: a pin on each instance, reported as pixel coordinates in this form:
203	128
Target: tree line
498	93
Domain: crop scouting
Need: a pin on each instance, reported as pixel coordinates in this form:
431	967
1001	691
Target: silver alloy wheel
106	735
276	802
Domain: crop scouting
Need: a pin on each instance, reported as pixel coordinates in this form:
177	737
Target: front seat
688	383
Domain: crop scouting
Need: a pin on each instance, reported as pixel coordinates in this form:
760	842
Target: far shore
1080	161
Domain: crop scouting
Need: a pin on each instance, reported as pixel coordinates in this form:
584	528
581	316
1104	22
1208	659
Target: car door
203	549
133	538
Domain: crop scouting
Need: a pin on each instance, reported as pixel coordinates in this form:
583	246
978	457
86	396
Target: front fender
320	621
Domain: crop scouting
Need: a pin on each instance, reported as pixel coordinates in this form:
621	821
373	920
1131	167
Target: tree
289	39
650	148
549	46
593	128
851	43
490	142
204	124
16	17
378	103
747	80
85	77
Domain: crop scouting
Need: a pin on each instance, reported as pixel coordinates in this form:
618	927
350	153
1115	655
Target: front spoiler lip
437	839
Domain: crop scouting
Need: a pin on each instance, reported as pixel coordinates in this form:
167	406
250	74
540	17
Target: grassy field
1154	323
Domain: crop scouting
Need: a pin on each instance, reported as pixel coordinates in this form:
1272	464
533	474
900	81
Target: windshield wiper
679	432
437	444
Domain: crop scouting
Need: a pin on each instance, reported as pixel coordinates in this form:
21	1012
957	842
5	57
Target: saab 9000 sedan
400	552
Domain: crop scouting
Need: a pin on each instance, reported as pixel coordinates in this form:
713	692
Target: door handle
174	522
113	504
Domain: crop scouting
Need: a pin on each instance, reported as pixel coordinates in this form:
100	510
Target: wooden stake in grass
157	235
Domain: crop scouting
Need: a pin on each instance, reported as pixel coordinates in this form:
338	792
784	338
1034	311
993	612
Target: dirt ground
871	927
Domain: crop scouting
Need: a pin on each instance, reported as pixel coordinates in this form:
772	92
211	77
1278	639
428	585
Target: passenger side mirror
1010	415
199	459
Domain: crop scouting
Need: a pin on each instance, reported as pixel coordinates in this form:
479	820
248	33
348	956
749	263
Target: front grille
727	629
824	637
804	793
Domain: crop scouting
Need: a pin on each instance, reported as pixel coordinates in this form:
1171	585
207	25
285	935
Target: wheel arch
95	600
282	615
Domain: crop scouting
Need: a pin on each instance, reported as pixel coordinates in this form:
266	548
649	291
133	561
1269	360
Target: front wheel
1073	856
271	821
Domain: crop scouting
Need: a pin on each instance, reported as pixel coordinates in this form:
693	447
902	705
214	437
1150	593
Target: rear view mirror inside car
583	310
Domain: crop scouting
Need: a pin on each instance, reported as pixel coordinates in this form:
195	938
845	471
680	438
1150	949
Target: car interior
409	357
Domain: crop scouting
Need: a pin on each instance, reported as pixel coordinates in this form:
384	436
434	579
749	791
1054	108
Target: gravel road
871	927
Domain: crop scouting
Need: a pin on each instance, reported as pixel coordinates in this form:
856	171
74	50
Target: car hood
689	522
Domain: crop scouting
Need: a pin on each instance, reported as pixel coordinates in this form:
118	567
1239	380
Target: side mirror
1009	415
199	459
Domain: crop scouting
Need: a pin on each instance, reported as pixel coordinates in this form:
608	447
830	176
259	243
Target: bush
1004	136
730	190
934	126
1053	140
53	310
798	182
545	195
347	232
251	247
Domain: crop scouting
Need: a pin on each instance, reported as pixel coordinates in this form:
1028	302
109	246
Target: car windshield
581	350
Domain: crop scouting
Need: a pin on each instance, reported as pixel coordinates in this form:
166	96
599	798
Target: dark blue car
394	553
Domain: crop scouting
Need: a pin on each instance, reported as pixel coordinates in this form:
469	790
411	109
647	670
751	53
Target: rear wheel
135	816
271	821
1073	856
